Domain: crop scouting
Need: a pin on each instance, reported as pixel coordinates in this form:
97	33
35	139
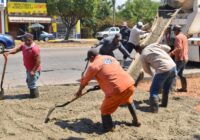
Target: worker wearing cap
156	56
32	63
125	32
180	53
135	36
109	44
169	37
116	84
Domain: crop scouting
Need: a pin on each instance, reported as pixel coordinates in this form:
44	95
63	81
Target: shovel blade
48	114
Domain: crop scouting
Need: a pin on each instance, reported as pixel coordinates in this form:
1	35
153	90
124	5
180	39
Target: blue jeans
162	81
180	66
31	80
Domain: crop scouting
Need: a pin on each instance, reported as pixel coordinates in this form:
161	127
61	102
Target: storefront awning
15	19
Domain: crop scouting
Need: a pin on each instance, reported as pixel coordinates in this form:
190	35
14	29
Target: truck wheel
2	47
46	39
104	36
99	38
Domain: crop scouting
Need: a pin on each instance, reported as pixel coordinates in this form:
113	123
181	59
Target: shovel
2	77
66	103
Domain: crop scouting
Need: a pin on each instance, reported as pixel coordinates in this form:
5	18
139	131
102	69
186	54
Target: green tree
138	10
97	22
103	9
71	11
113	6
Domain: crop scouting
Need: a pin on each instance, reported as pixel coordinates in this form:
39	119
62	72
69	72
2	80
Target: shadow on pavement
19	97
85	125
196	137
73	138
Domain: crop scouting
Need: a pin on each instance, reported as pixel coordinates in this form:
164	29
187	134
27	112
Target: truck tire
104	36
99	38
2	46
46	39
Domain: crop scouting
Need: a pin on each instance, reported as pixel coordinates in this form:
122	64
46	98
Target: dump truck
183	12
189	19
160	24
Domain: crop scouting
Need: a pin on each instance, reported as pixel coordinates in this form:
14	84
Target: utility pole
113	3
2	7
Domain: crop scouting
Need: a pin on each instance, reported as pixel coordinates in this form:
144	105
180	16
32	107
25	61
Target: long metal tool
66	103
3	75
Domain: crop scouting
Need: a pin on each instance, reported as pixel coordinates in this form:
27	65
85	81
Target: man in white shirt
135	36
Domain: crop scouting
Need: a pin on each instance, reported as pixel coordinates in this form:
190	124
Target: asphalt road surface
59	66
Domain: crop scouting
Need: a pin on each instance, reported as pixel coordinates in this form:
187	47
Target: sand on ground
23	118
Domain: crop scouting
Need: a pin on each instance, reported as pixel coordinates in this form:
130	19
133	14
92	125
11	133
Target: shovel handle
62	105
96	87
4	69
66	103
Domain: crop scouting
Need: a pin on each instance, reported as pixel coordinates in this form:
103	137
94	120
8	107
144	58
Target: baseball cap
177	28
28	35
140	24
90	53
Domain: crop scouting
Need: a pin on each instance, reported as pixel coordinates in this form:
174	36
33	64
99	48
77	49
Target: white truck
189	19
110	31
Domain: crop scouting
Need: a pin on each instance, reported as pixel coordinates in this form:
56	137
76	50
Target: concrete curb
145	79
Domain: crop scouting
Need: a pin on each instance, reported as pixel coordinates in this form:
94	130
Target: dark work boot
154	106
107	123
132	110
34	93
164	100
183	85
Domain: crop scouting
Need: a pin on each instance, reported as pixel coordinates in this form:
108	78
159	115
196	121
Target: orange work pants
111	103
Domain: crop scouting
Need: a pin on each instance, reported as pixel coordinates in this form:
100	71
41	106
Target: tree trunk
67	33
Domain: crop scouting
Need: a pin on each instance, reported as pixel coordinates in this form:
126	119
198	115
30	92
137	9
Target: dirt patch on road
23	118
193	87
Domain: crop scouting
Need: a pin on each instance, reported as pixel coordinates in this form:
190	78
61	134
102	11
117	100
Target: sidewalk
63	43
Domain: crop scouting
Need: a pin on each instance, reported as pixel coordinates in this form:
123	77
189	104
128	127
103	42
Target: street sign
3	3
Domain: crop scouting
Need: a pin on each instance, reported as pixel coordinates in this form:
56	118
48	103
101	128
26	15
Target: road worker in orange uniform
116	84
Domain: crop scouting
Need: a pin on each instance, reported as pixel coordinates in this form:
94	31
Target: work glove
96	87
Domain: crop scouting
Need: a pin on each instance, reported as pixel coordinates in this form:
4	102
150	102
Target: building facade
21	14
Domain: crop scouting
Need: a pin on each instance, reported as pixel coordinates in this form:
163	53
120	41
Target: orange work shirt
110	75
180	48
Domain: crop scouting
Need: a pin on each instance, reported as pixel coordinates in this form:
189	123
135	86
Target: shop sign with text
27	8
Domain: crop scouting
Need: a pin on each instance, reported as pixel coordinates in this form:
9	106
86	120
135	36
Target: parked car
46	36
43	36
110	31
6	42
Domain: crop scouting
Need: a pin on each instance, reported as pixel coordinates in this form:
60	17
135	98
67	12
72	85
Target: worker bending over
116	84
156	56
